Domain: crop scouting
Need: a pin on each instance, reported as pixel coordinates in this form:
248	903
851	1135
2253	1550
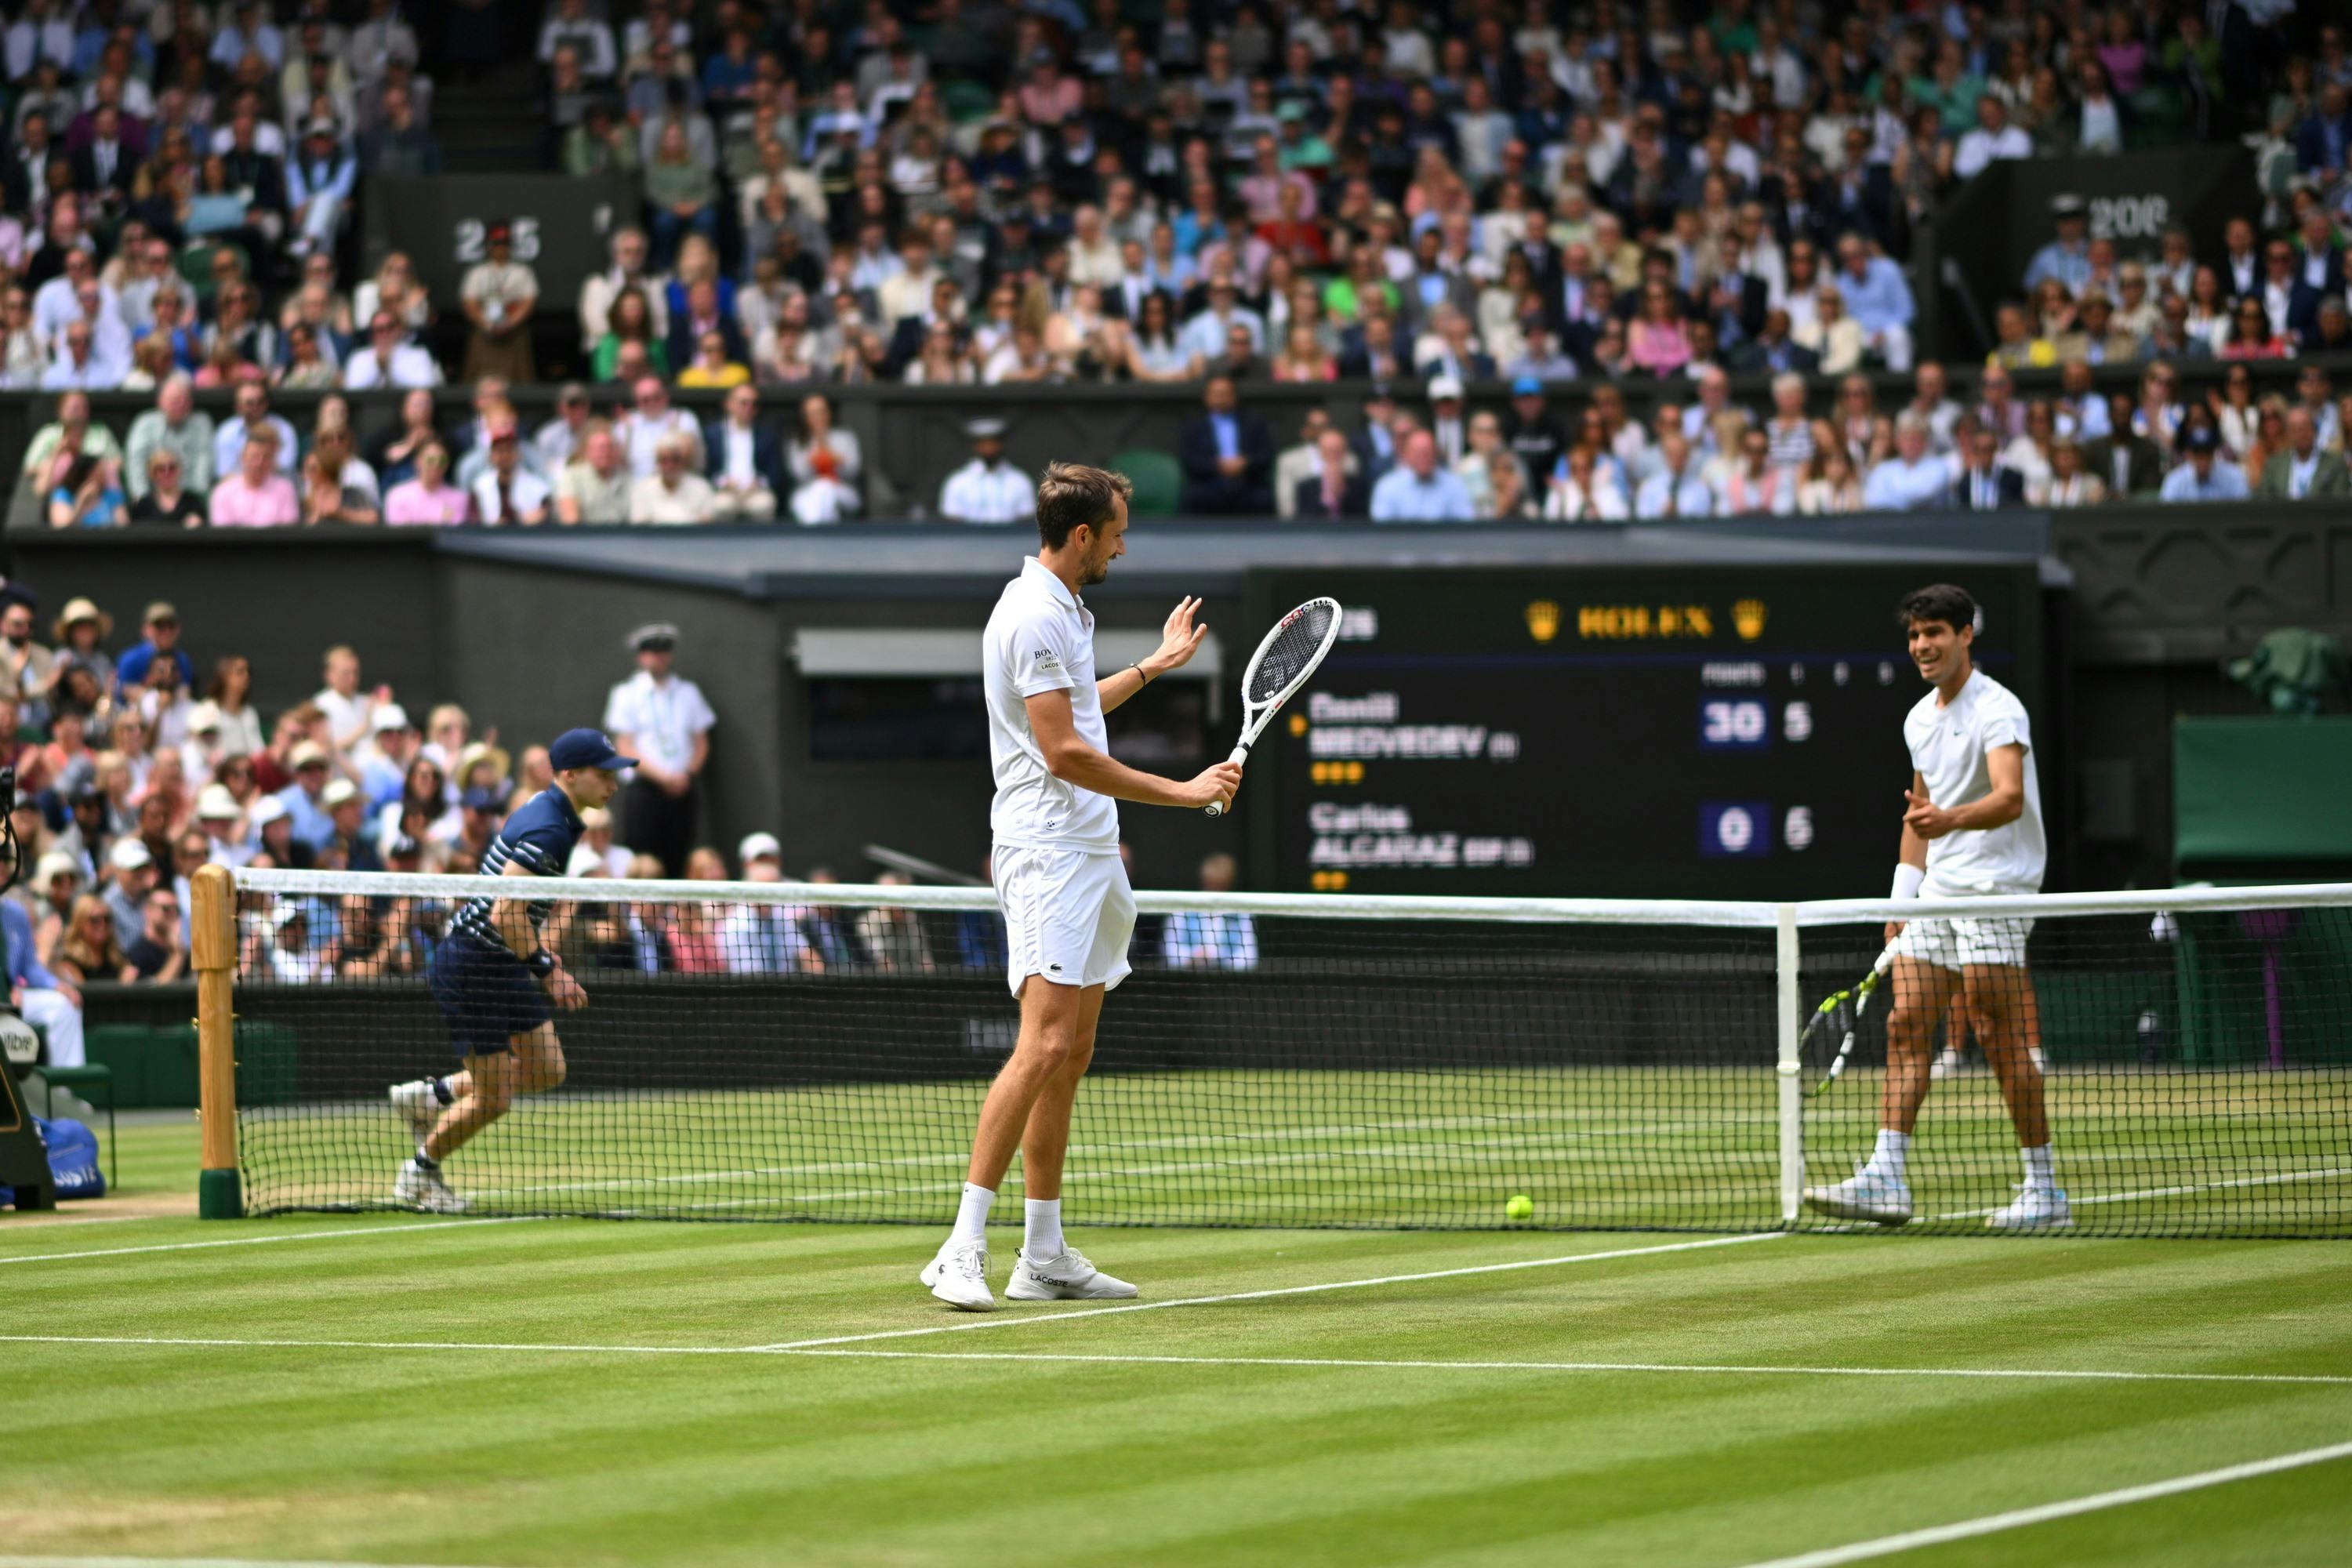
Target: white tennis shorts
1961	943
1067	915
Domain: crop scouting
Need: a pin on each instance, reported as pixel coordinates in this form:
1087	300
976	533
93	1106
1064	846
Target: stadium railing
818	1052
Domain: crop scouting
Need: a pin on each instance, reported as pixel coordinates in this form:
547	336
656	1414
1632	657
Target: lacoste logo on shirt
1053	969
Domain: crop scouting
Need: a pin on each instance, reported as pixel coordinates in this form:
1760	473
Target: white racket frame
1255	716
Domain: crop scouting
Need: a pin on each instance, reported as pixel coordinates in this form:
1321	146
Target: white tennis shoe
418	1106
1868	1195
418	1188
1069	1278
2036	1208
958	1276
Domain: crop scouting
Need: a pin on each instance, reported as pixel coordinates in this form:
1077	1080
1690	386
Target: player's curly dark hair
1937	602
1072	494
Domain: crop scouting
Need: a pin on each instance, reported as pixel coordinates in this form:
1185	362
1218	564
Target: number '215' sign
471	245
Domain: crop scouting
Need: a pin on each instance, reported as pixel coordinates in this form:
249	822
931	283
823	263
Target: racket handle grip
1241	755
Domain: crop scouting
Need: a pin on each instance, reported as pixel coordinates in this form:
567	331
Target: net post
1788	1014
219	1192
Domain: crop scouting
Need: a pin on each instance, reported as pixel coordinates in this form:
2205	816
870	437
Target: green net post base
219	1196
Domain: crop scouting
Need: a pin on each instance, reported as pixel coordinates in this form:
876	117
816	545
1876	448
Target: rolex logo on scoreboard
1747	619
1543	620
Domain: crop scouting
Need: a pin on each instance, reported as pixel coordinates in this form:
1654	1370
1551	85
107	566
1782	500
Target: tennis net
819	1052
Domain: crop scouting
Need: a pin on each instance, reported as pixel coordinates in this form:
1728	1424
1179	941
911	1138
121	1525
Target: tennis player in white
1068	910
1972	828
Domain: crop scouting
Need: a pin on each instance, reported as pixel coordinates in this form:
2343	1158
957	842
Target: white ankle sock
2039	1175
1892	1148
971	1215
1042	1237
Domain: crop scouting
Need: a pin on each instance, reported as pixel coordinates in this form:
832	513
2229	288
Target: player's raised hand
1216	786
1180	638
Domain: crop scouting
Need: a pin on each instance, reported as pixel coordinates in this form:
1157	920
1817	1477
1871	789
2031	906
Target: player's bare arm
1911	854
2002	804
1180	638
1073	761
511	919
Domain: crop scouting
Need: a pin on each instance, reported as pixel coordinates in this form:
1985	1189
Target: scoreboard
1633	731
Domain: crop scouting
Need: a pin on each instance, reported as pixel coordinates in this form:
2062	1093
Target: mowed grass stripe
1677	1457
2291	1518
1854	1299
2032	1309
723	1464
1054	1358
2024	1518
718	1461
1286	1466
1831	1303
1623	1145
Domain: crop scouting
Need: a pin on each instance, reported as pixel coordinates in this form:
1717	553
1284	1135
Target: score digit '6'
1797	827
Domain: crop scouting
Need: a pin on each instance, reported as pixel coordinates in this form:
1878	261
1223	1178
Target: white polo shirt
979	493
1041	638
661	718
1949	746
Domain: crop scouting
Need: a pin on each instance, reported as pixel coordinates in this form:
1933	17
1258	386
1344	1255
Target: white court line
2016	1374
265	1240
2016	1519
968	1325
2278	1179
1705	1369
197	1563
208	1342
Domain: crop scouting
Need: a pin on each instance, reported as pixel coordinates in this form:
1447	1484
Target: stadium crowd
960	193
136	765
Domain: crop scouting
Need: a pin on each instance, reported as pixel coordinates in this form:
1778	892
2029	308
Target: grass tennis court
1684	1147
382	1389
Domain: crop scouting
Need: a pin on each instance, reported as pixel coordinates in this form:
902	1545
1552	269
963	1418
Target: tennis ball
1520	1207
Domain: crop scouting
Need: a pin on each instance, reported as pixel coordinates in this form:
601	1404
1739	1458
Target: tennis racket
1844	1008
1290	653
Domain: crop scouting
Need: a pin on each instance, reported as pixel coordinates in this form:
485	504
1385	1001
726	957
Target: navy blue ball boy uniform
486	993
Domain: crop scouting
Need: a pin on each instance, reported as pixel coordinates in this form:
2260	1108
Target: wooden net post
219	1194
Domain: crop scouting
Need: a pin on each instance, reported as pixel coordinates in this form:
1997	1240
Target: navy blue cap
481	800
585	749
1526	386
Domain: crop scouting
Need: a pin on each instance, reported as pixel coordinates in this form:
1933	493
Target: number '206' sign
471	245
2111	218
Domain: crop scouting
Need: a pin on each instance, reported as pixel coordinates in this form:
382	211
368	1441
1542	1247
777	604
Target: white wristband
1907	880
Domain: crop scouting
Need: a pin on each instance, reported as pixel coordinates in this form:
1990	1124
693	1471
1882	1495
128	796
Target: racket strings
1290	653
